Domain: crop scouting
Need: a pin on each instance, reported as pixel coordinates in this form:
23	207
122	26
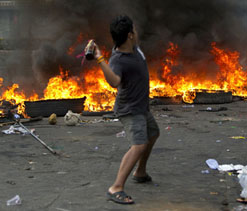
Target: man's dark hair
119	28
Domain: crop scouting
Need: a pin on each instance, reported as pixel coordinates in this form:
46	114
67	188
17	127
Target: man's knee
139	148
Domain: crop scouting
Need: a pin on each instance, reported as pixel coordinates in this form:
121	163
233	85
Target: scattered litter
230	167
96	148
44	153
71	119
11	182
28	168
238	137
61	172
98	121
17	130
53	119
85	184
214	193
228	150
205	171
179	140
188	106
212	163
240	208
69	132
121	134
210	109
164	115
168	128
60	209
114	120
14	201
218	141
243	182
222	180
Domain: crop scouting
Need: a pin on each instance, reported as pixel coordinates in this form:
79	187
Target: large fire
100	96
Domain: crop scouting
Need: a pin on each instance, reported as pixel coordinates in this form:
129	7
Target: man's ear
130	35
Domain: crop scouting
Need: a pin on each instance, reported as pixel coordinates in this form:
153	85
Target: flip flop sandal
147	178
119	197
242	200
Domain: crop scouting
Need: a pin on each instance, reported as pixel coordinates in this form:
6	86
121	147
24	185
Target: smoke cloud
47	29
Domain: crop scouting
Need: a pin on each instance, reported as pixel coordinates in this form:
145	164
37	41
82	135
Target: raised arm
111	78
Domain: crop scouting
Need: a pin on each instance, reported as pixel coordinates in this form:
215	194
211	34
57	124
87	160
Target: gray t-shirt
133	91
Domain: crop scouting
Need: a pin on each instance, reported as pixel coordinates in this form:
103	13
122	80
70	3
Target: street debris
168	128
19	128
210	109
11	182
238	137
61	209
121	134
243	182
164	115
72	119
212	163
188	106
240	208
230	167
214	193
205	171
14	201
61	172
14	129
53	119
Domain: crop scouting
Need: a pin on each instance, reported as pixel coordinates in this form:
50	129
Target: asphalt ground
91	153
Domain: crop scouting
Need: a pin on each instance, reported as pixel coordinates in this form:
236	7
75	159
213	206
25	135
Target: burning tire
218	97
60	107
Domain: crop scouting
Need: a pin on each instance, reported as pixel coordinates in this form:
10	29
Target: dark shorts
140	128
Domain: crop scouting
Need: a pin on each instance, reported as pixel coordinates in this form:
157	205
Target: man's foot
142	179
119	197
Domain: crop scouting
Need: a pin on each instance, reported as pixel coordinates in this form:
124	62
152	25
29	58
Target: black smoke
48	28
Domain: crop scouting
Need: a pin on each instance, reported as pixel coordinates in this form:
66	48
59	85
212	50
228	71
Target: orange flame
231	76
100	95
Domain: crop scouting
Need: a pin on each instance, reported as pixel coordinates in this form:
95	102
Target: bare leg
142	163
127	164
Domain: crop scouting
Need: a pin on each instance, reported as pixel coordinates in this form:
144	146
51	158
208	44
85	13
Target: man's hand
97	52
112	78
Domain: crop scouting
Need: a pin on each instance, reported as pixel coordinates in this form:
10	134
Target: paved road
79	181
